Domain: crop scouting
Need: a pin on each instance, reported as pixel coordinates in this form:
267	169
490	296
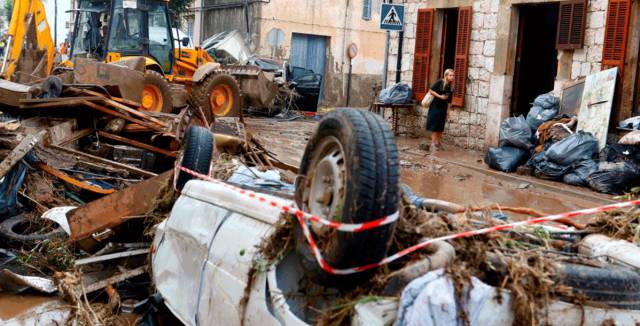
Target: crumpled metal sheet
10	281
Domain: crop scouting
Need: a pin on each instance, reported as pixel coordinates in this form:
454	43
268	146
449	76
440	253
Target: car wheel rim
326	185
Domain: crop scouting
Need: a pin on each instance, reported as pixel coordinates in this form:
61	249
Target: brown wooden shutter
615	35
571	24
422	53
463	38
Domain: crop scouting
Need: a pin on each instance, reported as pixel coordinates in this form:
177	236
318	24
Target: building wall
491	65
226	15
341	21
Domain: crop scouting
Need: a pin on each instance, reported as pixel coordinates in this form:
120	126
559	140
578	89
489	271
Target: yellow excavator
113	30
29	48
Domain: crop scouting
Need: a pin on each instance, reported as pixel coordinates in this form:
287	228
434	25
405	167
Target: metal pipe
349	83
7	48
399	62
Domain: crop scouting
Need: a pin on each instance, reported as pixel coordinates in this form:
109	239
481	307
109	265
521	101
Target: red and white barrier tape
345	227
302	216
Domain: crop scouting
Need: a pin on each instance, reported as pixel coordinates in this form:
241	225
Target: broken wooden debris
110	210
20	151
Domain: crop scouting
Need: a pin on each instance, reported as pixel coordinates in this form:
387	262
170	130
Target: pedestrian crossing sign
392	17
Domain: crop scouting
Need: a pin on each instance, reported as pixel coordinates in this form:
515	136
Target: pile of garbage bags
550	148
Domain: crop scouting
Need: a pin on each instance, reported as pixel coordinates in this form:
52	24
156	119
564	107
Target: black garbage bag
399	93
516	132
615	178
505	159
545	169
545	107
547	101
621	153
580	172
577	147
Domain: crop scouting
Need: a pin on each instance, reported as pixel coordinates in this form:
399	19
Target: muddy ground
453	175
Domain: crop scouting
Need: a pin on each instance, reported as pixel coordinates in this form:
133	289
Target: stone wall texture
466	126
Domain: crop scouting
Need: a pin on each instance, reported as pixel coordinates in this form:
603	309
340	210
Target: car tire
10	230
612	286
362	147
196	155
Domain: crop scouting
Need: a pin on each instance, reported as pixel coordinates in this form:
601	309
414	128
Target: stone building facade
507	42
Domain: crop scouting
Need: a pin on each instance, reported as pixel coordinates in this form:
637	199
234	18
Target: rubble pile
529	270
550	147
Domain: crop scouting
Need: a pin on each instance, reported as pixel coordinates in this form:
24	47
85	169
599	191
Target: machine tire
196	155
158	88
9	231
370	191
230	90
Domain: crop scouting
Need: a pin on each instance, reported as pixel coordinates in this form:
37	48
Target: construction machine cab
125	27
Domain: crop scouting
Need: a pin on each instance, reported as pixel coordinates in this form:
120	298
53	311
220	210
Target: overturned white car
208	264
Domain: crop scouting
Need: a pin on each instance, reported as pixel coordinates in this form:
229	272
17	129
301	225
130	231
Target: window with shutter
463	37
422	53
571	24
615	35
366	9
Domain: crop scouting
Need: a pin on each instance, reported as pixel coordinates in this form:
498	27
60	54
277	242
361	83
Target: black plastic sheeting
615	178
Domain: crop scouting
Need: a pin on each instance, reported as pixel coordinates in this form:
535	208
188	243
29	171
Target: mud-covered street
453	175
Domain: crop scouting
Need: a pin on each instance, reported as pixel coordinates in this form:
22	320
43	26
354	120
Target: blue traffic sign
392	17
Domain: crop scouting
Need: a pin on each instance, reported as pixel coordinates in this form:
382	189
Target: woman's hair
444	77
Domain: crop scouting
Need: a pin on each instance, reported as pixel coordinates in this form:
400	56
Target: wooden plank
137	113
109	211
20	151
59	99
136	144
70	102
117	99
123	116
76	135
101	160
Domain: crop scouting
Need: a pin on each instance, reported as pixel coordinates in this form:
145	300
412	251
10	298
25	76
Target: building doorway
308	62
536	62
449	35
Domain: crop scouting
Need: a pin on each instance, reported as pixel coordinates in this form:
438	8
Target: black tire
196	155
156	79
202	91
612	286
10	230
371	192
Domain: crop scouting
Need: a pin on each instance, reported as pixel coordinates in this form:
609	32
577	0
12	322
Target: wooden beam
124	116
101	160
136	144
75	136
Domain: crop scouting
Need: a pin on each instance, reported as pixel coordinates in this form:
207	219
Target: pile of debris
85	176
550	146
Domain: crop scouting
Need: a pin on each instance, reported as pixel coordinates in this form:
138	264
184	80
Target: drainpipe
246	19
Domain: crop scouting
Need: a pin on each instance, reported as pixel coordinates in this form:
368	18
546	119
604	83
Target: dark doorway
449	34
536	57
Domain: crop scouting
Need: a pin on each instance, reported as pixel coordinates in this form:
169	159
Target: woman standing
437	116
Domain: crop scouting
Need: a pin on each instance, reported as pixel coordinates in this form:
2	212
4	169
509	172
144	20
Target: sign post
391	19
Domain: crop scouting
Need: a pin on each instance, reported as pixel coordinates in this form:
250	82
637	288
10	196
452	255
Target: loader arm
28	29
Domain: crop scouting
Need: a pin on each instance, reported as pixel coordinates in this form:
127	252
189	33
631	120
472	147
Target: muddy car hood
206	247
